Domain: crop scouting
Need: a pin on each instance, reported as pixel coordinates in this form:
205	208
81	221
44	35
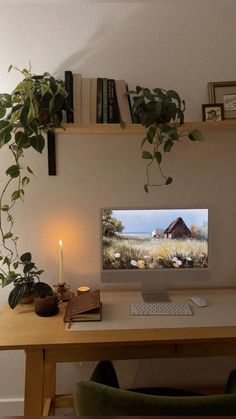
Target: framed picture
224	92
213	112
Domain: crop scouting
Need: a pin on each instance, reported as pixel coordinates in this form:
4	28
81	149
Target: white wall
179	44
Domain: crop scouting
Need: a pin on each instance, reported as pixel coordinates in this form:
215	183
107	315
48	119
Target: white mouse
199	301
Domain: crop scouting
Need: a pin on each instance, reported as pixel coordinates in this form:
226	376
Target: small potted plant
32	109
162	113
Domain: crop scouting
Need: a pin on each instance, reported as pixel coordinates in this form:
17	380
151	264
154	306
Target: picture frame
212	112
224	92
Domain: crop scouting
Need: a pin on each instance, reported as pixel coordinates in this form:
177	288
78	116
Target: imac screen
154	239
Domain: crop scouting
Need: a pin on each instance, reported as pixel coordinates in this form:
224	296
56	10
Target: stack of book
96	100
84	307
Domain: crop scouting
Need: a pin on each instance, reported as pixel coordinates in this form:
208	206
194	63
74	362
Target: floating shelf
132	129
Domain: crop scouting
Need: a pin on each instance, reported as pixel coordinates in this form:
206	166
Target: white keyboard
160	309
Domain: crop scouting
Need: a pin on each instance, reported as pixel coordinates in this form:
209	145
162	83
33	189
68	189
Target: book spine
93	101
86	92
113	111
77	97
99	101
123	101
105	100
69	89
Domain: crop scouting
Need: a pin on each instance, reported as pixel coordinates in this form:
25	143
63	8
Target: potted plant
162	113
32	109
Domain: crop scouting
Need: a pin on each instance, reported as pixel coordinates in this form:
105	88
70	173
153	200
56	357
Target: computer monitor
154	246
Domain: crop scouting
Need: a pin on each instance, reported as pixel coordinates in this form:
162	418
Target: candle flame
60	243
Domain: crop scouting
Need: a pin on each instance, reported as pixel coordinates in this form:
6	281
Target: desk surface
21	328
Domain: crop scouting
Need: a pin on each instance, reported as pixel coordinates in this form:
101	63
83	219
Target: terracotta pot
46	306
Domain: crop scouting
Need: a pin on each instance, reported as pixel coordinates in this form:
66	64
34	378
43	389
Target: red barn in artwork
177	230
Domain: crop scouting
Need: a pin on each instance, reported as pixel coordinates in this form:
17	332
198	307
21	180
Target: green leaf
25	181
2	112
5	131
147	155
158	156
168	145
42	289
15	116
6	261
26	257
7	236
38	143
22	140
159	92
151	134
143	142
195	135
30	170
5	100
138	101
16	294
13	171
4	207
28	267
174	95
146	188
15	195
168	180
148	94
138	89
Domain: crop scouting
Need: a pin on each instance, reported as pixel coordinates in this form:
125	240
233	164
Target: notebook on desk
84	307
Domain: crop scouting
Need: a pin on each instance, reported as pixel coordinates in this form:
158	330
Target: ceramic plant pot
28	298
46	306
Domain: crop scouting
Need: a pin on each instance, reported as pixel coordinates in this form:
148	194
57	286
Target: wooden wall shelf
130	129
133	129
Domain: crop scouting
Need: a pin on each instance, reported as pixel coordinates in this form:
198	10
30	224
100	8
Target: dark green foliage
162	113
33	108
110	225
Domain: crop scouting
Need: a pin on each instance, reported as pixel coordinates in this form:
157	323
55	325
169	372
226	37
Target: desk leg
50	386
34	376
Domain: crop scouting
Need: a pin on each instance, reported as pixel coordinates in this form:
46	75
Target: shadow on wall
139	45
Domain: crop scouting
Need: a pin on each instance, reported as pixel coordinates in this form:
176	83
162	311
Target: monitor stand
156	297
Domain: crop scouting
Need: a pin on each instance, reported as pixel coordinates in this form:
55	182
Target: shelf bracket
51	154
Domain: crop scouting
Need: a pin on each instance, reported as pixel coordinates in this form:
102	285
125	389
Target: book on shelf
105	100
86	91
93	101
77	97
113	115
99	100
84	307
123	101
69	89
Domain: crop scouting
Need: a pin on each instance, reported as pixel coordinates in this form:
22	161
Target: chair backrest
94	399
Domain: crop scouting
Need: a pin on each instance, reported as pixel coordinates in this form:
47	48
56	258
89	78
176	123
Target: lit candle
61	271
81	290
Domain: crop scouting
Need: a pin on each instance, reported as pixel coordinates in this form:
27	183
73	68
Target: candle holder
62	292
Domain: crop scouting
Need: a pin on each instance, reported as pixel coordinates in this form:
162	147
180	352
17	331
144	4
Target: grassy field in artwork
148	253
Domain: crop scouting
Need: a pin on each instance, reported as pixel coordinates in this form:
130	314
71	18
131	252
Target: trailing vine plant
162	113
32	109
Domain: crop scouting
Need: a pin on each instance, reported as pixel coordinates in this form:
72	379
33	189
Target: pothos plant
162	113
33	108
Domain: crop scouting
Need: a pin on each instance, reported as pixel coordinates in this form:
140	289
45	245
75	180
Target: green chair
101	396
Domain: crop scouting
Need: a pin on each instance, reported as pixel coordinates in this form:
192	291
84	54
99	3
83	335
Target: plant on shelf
162	113
32	109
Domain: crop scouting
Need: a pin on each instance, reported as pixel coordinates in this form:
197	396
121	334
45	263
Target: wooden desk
211	331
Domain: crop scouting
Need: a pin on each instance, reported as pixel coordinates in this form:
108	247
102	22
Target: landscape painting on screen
155	239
